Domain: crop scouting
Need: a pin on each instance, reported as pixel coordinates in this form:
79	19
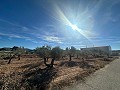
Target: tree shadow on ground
31	65
39	79
81	64
70	63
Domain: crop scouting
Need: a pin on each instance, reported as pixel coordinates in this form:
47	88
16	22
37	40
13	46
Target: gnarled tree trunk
51	64
10	58
70	56
18	57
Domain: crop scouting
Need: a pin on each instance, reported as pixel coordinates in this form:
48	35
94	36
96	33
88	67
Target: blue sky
65	23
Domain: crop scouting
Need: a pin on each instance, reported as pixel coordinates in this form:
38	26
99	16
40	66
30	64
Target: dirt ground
31	72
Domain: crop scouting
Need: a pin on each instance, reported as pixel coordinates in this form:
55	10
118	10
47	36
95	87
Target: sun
74	27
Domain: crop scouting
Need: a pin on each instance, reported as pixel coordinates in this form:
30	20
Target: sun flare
74	27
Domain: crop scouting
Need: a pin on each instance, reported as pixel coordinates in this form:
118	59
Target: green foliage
73	48
6	54
71	51
56	52
46	51
98	53
85	54
18	50
43	51
67	49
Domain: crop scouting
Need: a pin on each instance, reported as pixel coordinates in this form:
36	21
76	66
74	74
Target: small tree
71	52
56	53
78	53
64	53
44	52
18	51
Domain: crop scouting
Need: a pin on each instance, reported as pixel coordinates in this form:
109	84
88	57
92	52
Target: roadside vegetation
47	67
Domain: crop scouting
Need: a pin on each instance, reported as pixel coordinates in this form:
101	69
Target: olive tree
71	52
44	52
78	53
56	53
16	51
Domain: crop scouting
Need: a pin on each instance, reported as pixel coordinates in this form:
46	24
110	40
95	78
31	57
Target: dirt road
107	78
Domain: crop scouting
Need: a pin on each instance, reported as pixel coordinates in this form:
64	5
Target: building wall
105	49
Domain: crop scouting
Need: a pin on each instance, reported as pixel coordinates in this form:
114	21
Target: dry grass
16	73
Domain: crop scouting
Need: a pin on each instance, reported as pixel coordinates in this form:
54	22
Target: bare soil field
31	74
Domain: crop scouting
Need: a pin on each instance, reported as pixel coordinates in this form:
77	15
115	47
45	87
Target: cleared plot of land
34	72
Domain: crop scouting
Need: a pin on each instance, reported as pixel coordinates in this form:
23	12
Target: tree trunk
52	62
77	56
70	57
45	61
18	57
10	59
83	61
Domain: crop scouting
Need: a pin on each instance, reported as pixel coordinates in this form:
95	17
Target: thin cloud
10	23
23	29
52	39
18	36
14	36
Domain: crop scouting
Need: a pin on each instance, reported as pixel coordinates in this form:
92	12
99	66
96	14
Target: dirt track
107	78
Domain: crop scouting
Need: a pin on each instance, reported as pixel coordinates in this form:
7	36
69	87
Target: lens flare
74	27
62	18
79	19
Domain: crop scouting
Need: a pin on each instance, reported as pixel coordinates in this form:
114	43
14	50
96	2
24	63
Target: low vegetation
46	67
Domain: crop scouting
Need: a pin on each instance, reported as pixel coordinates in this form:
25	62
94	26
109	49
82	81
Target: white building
105	49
